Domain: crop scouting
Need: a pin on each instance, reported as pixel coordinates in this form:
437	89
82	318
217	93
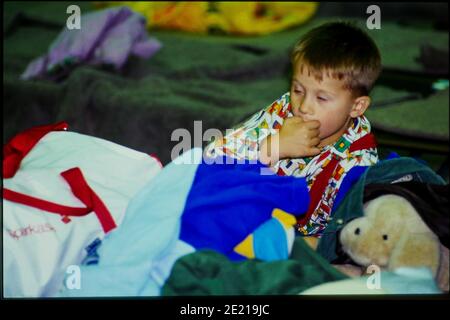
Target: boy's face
326	101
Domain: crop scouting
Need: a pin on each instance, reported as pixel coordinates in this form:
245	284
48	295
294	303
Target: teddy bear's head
391	234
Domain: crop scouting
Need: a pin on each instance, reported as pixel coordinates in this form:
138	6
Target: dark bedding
217	79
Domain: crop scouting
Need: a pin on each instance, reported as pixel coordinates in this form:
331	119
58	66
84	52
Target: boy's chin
327	140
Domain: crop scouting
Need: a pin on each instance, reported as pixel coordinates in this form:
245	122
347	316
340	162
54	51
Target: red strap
321	182
317	190
43	204
80	189
19	146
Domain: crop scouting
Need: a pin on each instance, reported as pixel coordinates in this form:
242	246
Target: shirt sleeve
243	141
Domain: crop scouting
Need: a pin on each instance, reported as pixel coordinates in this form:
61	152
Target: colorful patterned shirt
243	143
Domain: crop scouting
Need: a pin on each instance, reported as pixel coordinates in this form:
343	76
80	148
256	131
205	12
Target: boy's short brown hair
342	49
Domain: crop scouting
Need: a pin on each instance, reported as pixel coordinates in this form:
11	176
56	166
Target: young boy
317	130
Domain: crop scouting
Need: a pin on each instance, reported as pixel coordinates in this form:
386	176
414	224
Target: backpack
63	192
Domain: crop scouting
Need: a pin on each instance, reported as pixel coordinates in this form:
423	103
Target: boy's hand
299	138
296	139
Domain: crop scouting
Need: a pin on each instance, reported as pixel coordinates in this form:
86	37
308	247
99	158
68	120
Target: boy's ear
360	106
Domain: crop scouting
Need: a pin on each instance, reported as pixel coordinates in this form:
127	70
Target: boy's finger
294	120
313	124
314	142
298	117
313	151
314	133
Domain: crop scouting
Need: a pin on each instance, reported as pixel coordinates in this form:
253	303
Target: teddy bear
390	235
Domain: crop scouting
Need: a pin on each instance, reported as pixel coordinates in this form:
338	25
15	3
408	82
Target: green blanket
210	273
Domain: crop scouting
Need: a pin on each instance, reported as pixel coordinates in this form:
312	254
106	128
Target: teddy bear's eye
357	231
385	237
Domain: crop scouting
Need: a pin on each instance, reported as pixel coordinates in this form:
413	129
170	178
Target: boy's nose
303	108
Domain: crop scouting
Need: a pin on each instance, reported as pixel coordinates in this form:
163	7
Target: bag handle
80	189
14	152
21	144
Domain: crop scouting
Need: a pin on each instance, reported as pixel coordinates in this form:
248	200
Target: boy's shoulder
280	106
285	98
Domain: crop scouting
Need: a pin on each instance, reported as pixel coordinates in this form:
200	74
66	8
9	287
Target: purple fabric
108	36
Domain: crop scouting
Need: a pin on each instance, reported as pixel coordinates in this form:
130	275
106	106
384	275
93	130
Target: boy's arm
244	141
270	135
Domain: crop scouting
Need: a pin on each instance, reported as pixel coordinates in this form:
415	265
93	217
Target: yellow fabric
286	219
312	242
245	248
245	18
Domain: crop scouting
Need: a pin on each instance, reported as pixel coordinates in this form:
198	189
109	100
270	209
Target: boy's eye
298	91
322	98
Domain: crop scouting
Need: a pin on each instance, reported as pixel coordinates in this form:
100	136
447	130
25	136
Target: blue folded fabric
192	205
227	202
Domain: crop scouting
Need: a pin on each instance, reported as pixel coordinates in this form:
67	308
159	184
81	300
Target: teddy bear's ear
416	250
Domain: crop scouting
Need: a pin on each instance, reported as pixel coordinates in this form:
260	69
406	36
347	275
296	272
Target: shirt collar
360	127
